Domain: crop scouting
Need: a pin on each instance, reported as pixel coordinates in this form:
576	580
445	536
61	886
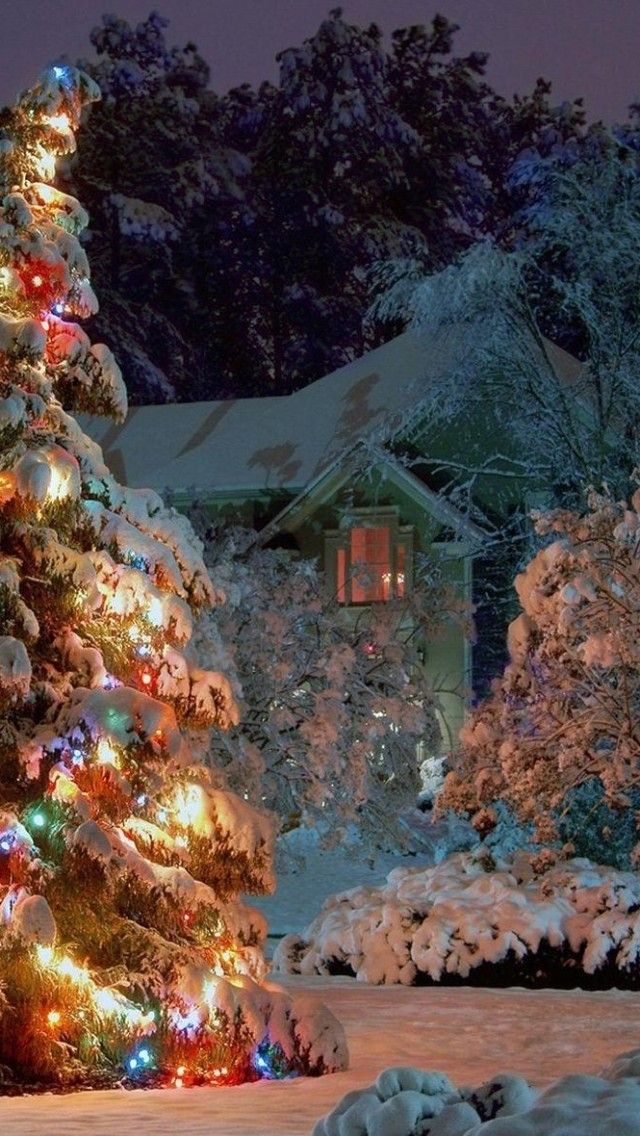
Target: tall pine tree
123	946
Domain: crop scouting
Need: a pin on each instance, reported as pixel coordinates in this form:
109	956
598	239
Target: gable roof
286	441
341	472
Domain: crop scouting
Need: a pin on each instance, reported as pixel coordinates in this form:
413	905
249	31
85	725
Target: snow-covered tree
565	715
532	425
122	946
232	236
333	707
574	278
161	187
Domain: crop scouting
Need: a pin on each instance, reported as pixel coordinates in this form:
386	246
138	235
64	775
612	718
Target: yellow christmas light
66	968
190	805
58	121
58	474
47	193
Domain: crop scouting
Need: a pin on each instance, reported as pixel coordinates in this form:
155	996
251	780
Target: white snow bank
405	1101
451	918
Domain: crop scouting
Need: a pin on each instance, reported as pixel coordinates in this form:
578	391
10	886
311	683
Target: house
315	471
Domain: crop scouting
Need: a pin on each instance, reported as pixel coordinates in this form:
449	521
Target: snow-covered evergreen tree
122	945
564	715
160	184
232	236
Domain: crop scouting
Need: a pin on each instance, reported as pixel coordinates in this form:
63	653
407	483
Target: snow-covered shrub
530	923
332	711
412	1102
565	712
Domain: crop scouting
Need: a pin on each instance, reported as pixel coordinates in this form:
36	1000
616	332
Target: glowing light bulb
146	678
190	803
145	1056
68	969
133	1062
37	281
142	799
106	753
44	955
47	193
53	1017
39	820
58	121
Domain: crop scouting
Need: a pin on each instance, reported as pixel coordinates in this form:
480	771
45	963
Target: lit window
370	563
371	568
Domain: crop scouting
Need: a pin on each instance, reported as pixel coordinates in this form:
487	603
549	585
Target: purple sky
586	47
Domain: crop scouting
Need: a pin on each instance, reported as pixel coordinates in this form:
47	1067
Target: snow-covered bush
411	1102
467	920
332	711
564	715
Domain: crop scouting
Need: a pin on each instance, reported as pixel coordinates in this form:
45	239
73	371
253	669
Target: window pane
370	564
341	576
400	570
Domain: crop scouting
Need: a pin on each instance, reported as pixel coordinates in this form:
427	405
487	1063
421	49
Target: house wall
447	656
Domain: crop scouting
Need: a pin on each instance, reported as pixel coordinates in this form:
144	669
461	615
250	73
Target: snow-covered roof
285	441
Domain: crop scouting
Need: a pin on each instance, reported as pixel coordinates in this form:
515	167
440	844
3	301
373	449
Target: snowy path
469	1034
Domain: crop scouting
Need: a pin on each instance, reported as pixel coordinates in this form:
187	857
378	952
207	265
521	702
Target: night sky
586	47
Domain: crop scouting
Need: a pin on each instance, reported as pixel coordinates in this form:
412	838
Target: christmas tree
123	947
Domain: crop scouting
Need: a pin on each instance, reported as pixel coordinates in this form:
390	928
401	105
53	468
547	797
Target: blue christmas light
139	1060
270	1062
136	560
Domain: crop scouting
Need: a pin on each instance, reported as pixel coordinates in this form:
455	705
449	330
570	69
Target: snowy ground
469	1034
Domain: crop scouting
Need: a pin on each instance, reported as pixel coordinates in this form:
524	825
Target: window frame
339	541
